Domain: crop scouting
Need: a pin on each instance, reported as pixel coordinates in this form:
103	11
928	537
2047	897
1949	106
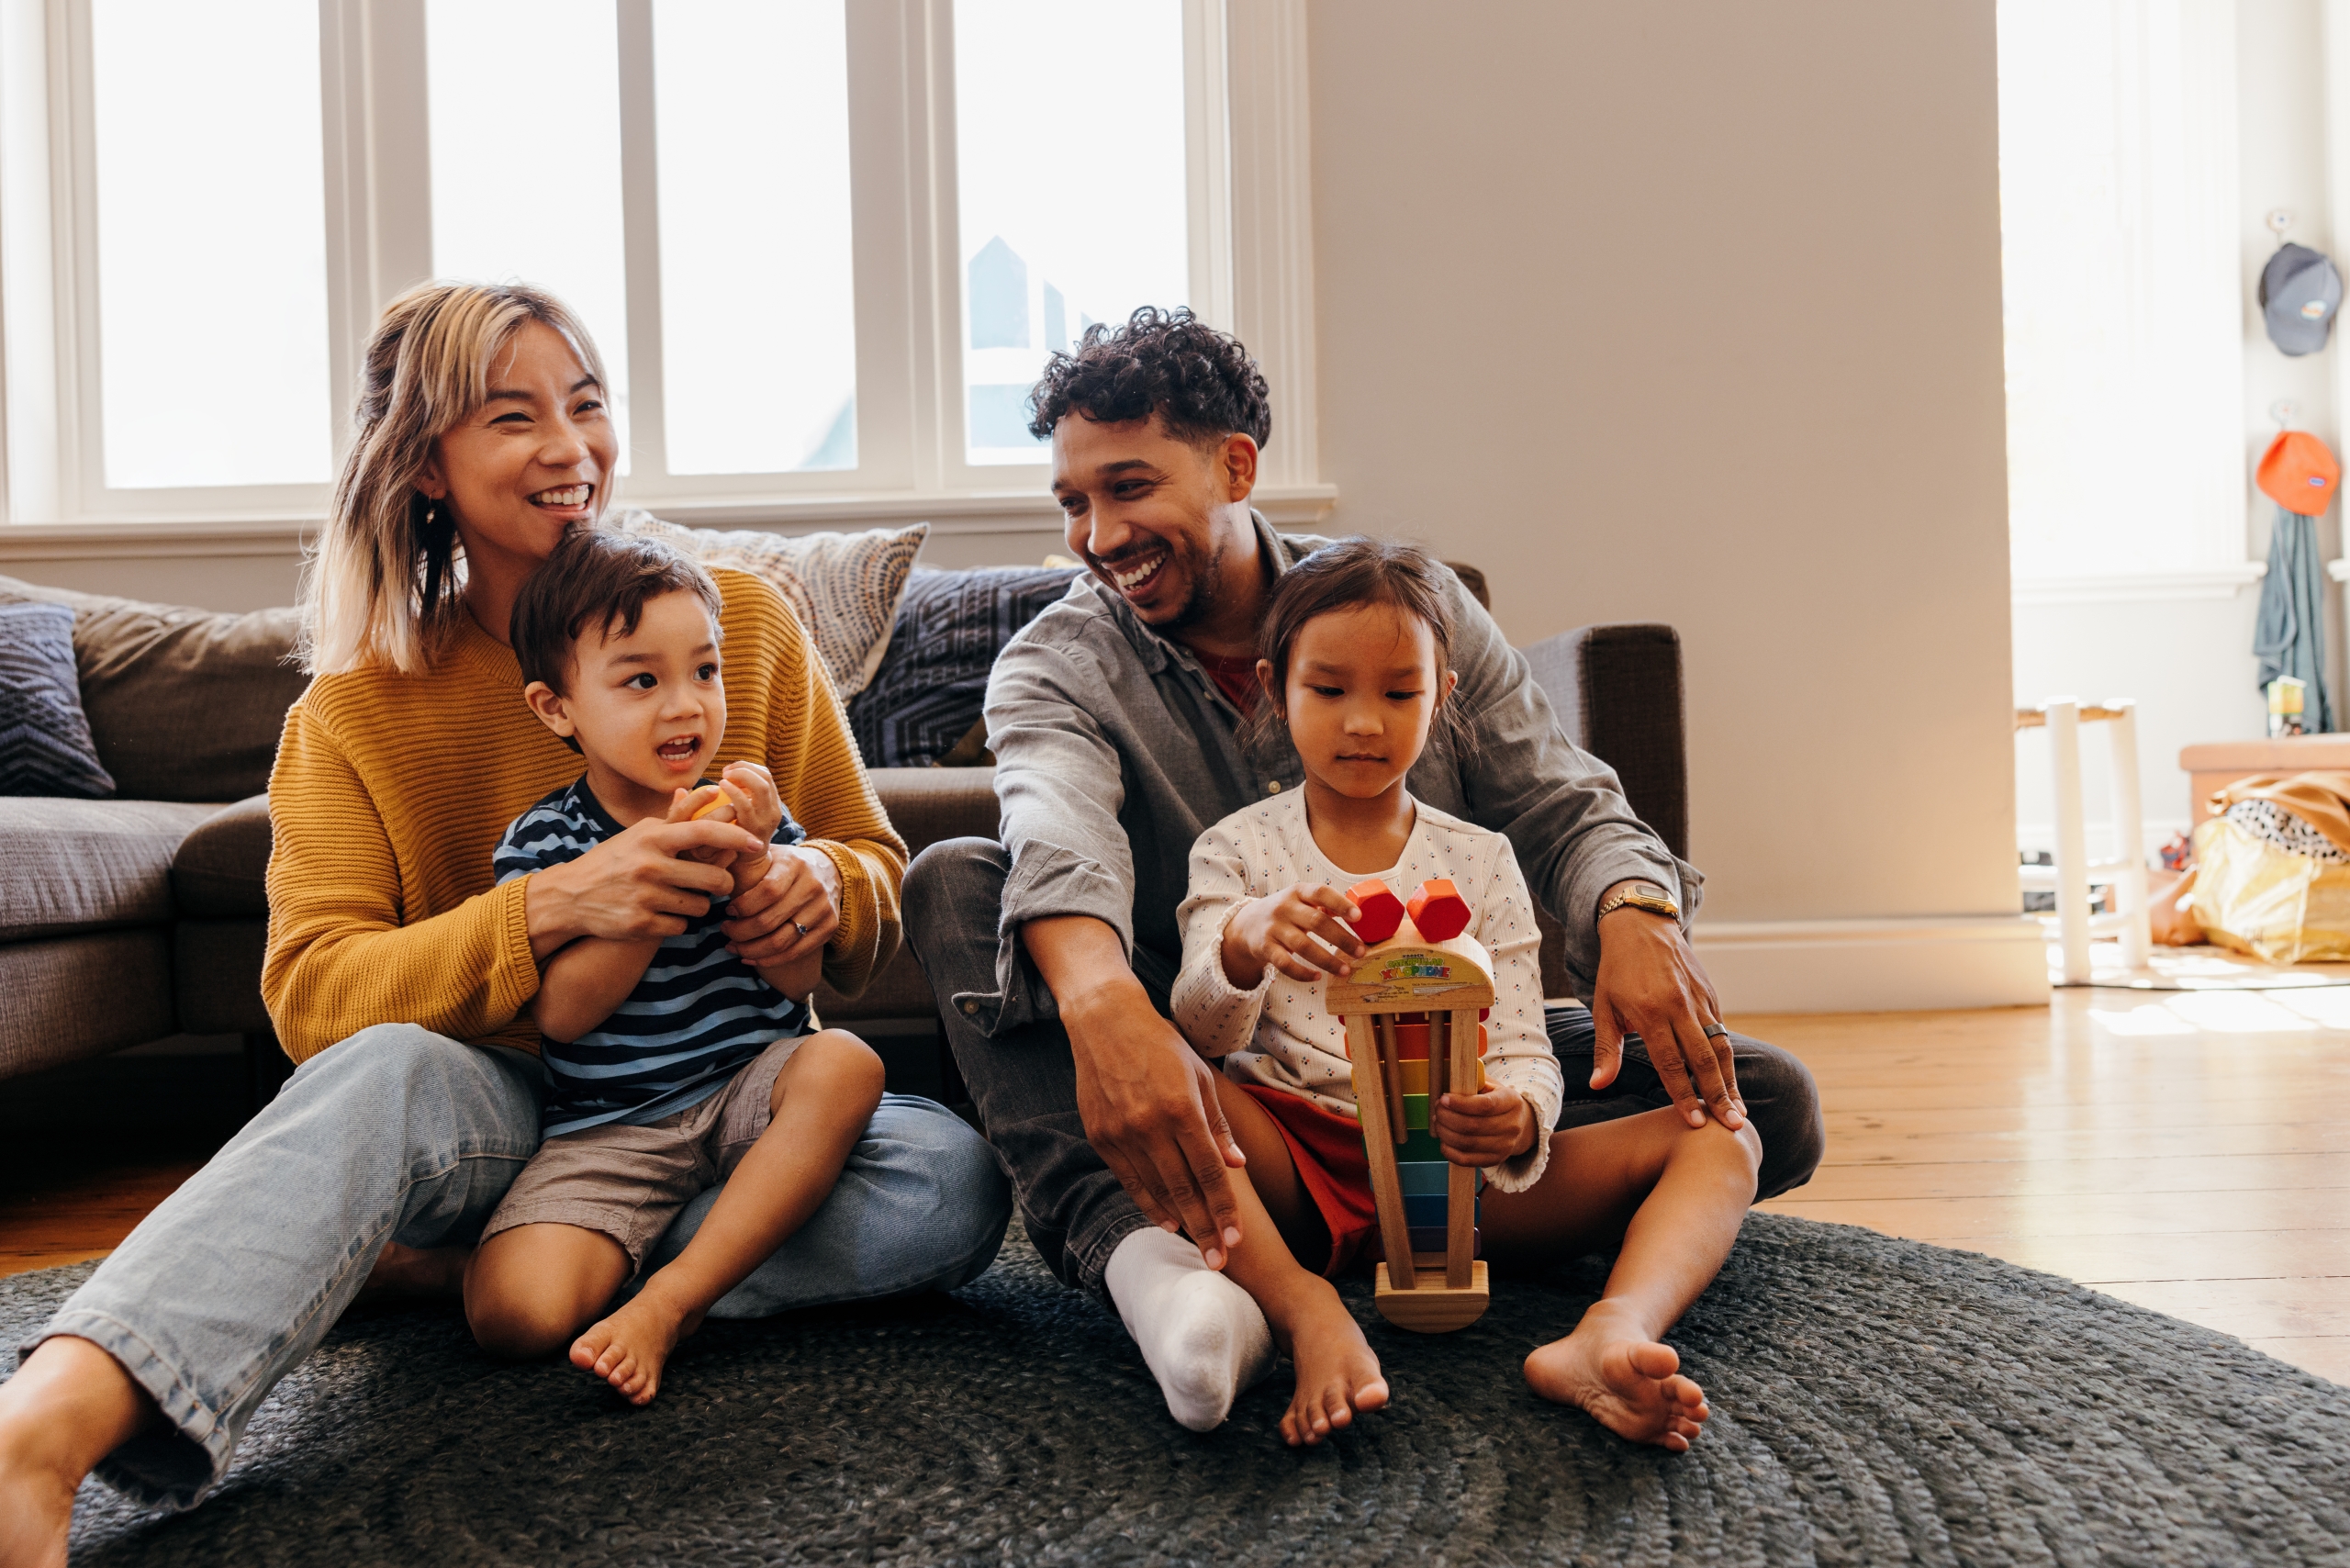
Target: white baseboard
1873	966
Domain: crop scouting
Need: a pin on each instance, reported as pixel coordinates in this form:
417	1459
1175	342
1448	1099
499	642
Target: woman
401	979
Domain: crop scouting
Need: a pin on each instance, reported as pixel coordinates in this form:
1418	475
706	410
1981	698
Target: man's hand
1649	984
1147	1101
1485	1128
791	911
1299	931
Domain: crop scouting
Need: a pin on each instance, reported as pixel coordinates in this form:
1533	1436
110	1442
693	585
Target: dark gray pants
1025	1080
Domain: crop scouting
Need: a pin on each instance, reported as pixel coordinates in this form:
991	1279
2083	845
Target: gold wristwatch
1642	896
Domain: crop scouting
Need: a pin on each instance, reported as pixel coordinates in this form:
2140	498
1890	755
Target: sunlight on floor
2173	1149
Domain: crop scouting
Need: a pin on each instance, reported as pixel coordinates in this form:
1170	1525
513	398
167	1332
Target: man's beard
1201	602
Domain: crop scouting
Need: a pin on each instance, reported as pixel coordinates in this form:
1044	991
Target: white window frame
1251	269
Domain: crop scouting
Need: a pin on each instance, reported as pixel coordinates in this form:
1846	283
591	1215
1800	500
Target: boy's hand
1485	1128
685	804
1280	932
750	801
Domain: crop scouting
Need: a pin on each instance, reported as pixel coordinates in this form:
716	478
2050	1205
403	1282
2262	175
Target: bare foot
1336	1374
1621	1379
408	1271
629	1348
36	1507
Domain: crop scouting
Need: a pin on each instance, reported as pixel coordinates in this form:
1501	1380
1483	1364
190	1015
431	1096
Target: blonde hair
385	583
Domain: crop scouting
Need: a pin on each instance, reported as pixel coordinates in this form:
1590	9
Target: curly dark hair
1200	381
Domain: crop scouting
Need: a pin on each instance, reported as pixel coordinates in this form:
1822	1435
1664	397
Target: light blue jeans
399	1134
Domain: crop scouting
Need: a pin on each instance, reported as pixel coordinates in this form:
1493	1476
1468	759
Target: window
2124	336
1061	230
823	247
211	246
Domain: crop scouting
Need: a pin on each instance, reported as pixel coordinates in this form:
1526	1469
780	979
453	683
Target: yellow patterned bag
2257	898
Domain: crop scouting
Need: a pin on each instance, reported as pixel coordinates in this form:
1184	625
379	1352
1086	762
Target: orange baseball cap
2299	473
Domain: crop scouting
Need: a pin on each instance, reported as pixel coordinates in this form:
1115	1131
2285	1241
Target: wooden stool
1447	983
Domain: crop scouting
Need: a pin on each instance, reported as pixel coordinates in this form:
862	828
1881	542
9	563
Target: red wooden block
1439	911
1382	911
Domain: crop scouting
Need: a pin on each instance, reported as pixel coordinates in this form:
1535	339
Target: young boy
672	1064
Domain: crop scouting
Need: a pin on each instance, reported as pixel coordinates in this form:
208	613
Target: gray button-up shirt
1114	749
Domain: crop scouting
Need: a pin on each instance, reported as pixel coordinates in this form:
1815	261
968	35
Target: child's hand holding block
1382	911
1438	912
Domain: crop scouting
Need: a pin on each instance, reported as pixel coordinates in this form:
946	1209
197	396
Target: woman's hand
636	884
1300	931
1485	1128
684	805
790	911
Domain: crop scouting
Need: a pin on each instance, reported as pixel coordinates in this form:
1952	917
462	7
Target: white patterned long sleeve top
1278	1034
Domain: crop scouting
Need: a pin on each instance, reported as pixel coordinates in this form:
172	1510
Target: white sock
1203	1338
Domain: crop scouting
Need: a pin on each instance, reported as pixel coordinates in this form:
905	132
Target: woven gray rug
1874	1402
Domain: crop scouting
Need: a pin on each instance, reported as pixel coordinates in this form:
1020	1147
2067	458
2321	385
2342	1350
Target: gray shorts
628	1181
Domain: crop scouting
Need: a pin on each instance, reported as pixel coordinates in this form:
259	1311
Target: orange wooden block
1382	911
1438	912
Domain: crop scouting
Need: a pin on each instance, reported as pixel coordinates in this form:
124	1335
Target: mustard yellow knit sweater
391	792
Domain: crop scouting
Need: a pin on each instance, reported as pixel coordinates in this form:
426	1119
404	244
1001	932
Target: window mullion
379	172
73	173
1208	134
641	245
935	246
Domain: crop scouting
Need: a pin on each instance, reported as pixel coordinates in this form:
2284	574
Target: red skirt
1326	1149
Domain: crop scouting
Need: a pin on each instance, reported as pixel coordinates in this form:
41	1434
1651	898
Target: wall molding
1876	966
2140	587
1021	512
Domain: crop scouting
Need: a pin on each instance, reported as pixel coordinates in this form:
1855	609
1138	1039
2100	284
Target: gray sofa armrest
1617	691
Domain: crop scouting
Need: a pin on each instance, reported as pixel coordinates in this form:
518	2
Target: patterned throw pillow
844	587
45	745
926	698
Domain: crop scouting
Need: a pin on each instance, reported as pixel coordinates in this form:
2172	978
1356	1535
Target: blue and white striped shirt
699	1015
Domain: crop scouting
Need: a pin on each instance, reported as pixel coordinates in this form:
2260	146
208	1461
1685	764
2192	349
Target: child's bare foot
1621	1379
629	1348
1336	1374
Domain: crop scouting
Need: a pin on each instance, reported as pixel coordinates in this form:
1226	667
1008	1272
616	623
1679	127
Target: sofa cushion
74	997
951	625
184	704
68	866
927	804
844	587
216	976
222	870
45	745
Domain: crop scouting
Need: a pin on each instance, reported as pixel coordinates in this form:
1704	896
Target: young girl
1355	663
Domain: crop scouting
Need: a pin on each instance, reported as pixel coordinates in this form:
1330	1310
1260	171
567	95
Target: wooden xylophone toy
1412	1006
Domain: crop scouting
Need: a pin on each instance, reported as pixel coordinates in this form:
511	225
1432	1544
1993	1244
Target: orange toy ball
712	804
1382	911
1439	911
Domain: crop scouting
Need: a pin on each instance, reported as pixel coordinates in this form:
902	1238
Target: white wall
2188	661
1690	312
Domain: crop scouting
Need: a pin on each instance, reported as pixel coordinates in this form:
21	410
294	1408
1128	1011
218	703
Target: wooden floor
2182	1150
2185	1151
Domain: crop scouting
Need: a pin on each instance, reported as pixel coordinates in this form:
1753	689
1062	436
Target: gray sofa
126	920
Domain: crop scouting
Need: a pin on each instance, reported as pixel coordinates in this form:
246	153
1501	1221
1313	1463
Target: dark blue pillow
950	626
45	745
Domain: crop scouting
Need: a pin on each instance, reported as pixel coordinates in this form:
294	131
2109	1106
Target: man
1117	718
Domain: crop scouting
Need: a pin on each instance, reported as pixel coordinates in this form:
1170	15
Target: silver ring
1715	1032
800	928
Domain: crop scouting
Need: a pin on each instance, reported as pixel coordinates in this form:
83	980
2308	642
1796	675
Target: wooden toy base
1434	1308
